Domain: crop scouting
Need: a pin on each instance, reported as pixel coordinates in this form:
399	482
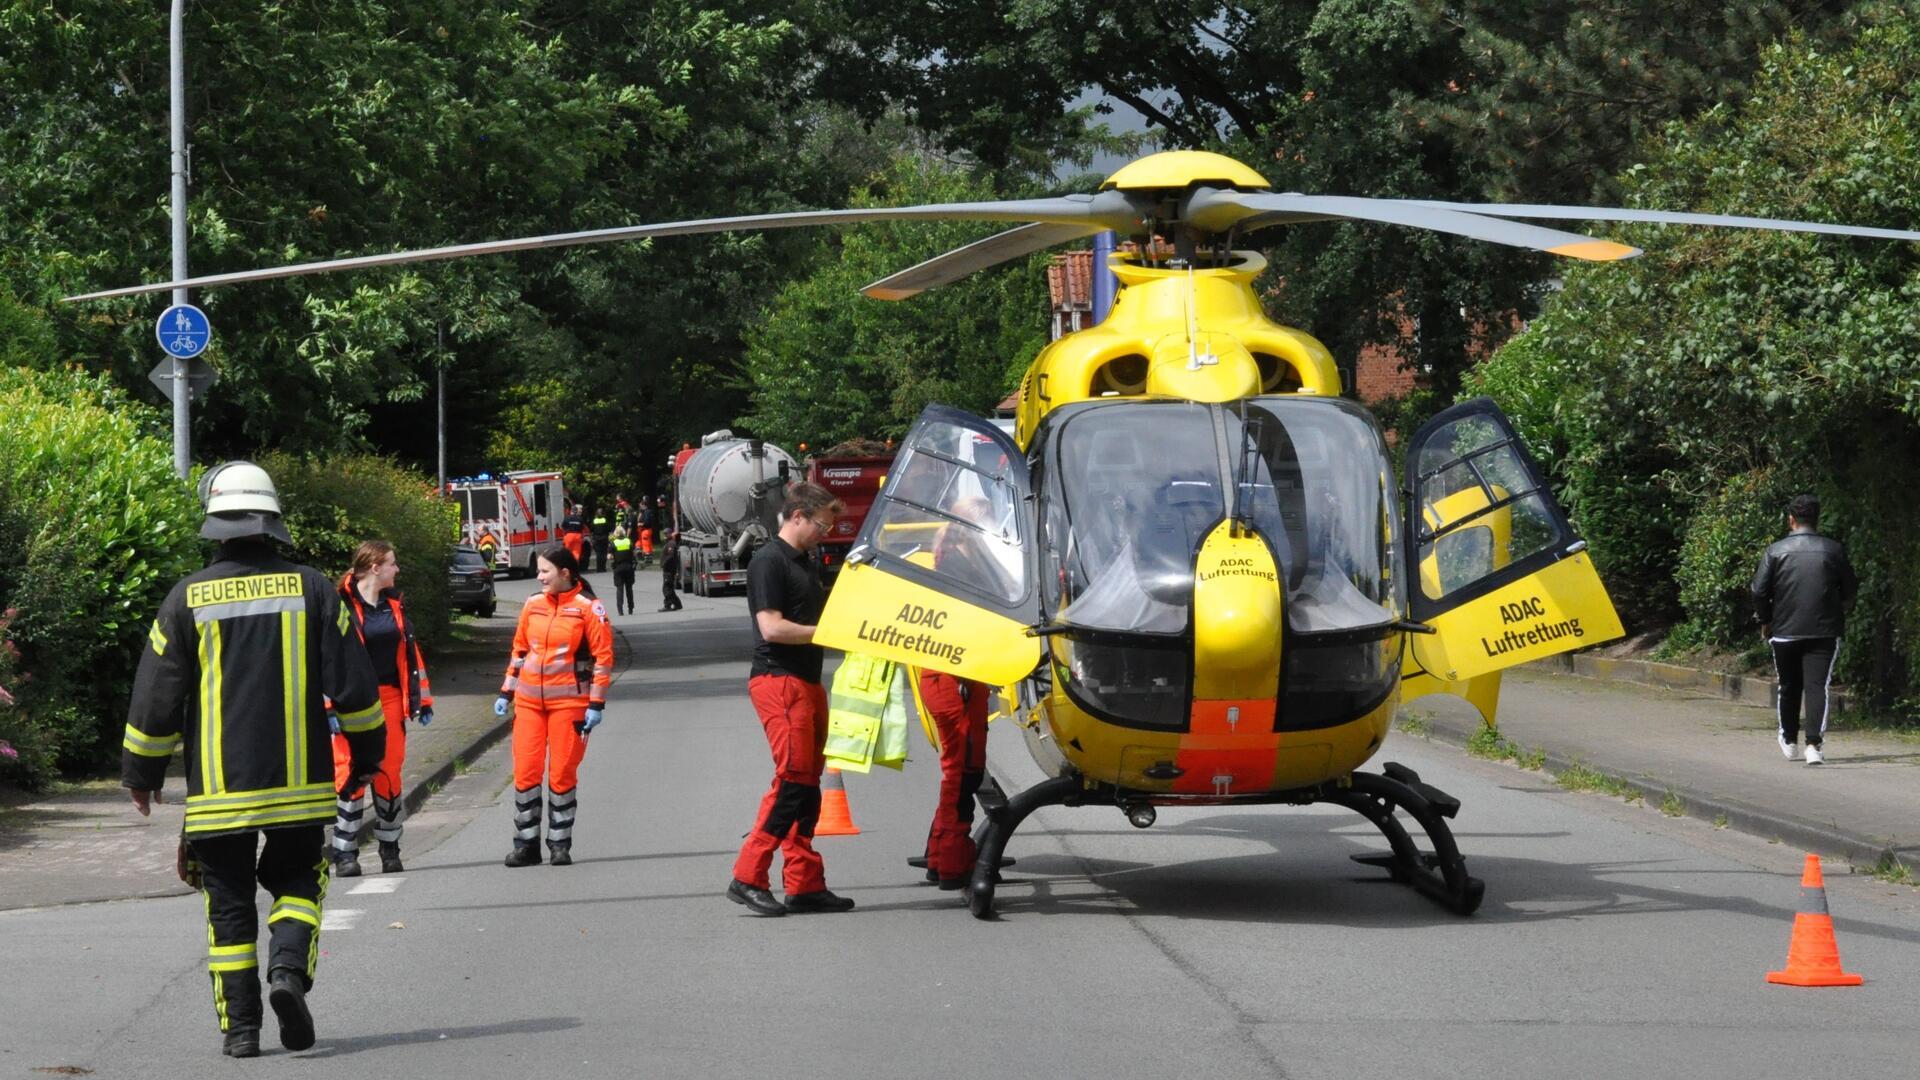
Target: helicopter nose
1236	619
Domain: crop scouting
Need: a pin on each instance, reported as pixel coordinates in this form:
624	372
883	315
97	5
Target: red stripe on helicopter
1230	747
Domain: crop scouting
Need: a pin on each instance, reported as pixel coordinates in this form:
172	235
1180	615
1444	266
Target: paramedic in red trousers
235	674
1801	594
785	596
958	708
380	625
556	685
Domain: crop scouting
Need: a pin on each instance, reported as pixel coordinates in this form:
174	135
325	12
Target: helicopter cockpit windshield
1131	490
1312	475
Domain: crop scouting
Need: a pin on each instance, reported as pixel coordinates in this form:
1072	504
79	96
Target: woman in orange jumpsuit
557	687
366	591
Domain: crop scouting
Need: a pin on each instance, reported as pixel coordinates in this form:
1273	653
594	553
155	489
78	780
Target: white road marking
340	918
376	885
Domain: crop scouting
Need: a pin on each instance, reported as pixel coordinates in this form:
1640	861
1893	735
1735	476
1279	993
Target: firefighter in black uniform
234	672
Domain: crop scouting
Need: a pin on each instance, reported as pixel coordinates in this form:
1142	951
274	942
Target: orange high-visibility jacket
562	652
410	663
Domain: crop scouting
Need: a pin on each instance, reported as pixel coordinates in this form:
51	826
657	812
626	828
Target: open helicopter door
1496	569
942	574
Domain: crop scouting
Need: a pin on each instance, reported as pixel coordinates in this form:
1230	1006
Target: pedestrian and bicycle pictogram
183	331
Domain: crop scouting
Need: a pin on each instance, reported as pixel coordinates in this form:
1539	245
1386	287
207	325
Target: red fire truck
510	517
853	471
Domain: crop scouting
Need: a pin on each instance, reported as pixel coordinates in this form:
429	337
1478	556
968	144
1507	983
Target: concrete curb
1827	838
1756	691
424	788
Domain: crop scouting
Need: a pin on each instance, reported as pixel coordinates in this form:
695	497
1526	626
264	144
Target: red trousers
386	782
959	710
545	745
794	714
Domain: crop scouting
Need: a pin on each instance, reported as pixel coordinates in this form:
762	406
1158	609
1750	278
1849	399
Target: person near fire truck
623	571
556	686
602	538
670	574
573	534
381	625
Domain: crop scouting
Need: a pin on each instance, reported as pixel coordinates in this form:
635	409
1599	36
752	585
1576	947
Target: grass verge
1490	744
1414	723
1578	777
1891	870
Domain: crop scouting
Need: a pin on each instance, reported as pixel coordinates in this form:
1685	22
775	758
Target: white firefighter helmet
236	487
240	501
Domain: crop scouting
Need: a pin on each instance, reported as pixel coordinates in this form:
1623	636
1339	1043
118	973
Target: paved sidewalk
1715	755
89	844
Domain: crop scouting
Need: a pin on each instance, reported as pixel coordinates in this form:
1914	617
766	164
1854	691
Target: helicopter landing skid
1002	820
1440	875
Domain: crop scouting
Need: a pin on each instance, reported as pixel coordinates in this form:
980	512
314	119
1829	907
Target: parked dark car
470	583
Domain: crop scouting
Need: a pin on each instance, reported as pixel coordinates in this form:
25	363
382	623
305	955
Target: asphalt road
1229	943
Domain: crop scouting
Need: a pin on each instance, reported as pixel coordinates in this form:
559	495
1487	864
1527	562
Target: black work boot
524	853
560	854
346	863
757	900
242	1042
821	901
288	997
390	857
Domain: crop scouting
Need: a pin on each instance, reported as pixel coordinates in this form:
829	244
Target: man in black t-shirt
785	596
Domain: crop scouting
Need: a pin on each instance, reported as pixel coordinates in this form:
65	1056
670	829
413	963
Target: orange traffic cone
835	818
1813	957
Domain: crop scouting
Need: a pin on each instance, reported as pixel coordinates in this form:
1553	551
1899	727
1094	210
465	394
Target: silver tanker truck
726	503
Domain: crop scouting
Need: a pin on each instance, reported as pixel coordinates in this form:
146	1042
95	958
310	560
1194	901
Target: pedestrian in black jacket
1801	594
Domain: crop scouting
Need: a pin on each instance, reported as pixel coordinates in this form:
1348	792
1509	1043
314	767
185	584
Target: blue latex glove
425	717
333	722
586	726
500	705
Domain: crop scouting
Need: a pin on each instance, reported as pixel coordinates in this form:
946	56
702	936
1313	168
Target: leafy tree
1687	391
331	129
317	129
827	364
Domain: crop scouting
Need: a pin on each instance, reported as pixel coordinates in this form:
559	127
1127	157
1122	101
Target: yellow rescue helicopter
1191	566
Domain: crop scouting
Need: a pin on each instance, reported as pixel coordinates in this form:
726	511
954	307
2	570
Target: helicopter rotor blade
1217	209
949	267
1665	217
1103	211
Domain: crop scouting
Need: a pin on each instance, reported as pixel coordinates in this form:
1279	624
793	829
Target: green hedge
95	528
1684	396
331	504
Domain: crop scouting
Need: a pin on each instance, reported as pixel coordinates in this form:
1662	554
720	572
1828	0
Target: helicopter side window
1480	508
951	512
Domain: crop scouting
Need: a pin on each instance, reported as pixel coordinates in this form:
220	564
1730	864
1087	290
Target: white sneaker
1814	756
1789	749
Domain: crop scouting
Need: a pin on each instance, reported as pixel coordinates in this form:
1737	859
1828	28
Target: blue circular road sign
183	331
